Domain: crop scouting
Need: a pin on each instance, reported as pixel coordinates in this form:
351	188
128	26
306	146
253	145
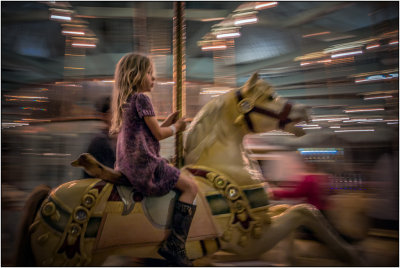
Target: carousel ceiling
340	58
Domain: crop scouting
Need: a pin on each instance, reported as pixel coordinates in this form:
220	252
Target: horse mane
206	128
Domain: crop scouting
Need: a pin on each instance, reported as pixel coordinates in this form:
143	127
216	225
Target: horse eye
271	98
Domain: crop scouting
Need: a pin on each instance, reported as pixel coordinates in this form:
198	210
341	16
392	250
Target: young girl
138	149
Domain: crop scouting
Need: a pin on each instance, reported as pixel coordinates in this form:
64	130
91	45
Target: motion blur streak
338	59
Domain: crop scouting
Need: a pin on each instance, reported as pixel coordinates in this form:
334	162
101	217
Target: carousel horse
83	222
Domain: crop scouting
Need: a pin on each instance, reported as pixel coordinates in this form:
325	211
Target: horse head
219	127
260	110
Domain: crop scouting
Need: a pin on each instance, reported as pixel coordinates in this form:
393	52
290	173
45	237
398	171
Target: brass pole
179	74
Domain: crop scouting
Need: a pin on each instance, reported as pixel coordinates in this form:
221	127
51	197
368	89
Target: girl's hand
180	125
171	119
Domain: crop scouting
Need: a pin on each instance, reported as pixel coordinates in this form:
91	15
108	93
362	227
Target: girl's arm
162	132
171	119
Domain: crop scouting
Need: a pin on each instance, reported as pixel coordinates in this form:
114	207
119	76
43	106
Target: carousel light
33	108
212	91
394	42
318	151
305	63
306	125
330	119
8	125
363	120
355	130
324	61
220	47
378	97
377	77
277	133
346	54
363	110
33	120
83	45
73	68
228	35
73	32
212	19
315	34
167	83
373	46
26	97
57	17
311	127
246	21
265	5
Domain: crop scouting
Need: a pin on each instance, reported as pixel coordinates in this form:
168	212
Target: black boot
173	248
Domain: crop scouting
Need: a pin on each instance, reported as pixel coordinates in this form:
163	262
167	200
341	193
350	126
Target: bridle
246	106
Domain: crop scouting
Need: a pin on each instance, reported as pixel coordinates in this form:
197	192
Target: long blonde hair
129	76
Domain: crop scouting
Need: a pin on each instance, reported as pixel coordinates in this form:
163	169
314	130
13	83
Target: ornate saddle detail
238	201
74	216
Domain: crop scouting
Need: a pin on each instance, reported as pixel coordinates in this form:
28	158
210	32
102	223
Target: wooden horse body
84	222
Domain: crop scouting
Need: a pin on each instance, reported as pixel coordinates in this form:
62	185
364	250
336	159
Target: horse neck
227	155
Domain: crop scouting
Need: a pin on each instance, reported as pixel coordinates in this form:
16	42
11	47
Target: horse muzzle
299	113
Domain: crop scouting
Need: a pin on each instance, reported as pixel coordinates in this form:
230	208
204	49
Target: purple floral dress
138	151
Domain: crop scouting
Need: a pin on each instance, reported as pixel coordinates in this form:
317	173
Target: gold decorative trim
74	229
232	192
49	209
89	200
60	203
81	215
242	216
245	105
78	221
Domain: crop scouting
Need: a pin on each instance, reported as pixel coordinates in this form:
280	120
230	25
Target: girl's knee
194	188
189	184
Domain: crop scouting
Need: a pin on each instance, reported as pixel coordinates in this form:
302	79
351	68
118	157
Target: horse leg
310	217
24	255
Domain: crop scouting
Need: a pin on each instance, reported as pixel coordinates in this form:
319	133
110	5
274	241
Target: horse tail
24	255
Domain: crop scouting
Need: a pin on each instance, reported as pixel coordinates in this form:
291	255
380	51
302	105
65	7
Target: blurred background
339	58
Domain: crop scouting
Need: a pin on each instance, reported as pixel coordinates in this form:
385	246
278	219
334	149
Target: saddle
153	212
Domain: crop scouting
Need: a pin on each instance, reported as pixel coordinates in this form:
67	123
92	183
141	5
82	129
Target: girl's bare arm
171	119
158	131
163	132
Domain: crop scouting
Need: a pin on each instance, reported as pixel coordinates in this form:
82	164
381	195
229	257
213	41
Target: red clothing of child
313	187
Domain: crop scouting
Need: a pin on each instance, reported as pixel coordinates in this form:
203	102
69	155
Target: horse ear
251	82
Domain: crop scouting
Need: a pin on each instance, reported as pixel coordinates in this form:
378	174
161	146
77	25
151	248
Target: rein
246	107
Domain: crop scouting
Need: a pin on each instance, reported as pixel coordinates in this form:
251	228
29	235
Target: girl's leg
188	188
173	248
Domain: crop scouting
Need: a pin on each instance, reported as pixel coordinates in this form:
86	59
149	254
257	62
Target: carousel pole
179	74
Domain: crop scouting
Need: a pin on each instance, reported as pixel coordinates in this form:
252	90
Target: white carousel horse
83	222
